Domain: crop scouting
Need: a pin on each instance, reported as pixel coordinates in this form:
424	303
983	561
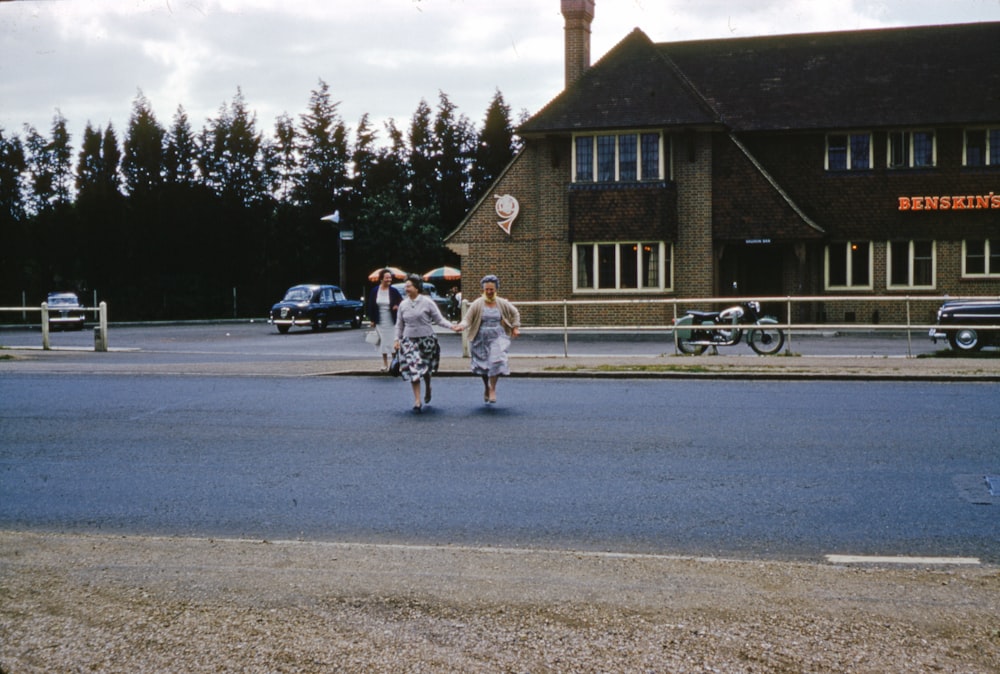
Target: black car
315	306
445	304
969	314
65	311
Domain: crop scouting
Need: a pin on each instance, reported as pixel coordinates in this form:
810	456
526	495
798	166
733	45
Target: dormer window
848	151
911	149
618	157
982	147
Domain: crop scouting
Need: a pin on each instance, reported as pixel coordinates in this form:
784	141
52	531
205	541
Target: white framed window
911	264
631	266
848	151
848	265
982	147
980	258
911	149
619	157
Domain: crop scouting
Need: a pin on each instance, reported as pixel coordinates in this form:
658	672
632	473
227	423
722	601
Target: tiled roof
632	87
856	79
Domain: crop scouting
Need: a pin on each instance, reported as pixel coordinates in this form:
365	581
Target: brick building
850	163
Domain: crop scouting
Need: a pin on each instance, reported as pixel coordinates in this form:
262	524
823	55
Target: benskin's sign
974	202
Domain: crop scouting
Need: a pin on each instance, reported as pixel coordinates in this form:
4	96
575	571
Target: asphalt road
783	470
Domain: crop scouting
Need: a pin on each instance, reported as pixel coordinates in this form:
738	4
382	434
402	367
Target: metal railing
100	330
675	306
905	305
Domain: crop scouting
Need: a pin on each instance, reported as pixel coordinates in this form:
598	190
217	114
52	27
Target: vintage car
967	315
315	306
65	311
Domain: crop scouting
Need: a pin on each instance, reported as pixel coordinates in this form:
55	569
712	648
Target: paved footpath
980	367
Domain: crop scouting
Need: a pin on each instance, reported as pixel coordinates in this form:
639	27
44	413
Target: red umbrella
443	274
397	274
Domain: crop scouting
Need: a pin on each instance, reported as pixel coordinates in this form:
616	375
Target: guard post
101	329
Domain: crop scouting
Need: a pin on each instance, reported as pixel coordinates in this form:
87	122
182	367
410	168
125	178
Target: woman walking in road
383	304
492	321
419	349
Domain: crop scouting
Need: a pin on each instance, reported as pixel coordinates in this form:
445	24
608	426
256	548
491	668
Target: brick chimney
578	15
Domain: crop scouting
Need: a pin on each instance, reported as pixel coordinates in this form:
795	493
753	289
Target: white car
65	311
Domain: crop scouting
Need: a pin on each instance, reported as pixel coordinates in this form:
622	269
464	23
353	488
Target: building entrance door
753	270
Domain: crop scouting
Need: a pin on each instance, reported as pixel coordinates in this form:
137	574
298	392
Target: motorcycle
698	330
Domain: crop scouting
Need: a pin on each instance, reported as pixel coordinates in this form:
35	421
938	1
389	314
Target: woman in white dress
383	303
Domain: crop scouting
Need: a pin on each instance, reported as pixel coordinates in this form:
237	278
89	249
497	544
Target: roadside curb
639	367
719	368
733	376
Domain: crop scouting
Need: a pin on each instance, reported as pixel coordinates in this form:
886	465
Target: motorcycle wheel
684	345
766	340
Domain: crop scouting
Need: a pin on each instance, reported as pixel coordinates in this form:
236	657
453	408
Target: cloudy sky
89	59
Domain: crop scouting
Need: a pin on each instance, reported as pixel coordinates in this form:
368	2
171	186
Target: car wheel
965	340
356	322
319	324
283	329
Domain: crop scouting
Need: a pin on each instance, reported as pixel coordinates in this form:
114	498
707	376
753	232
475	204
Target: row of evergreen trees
166	223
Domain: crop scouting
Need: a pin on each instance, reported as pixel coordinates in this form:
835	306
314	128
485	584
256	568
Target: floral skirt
419	357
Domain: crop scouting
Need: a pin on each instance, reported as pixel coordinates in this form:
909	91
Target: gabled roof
760	208
632	87
853	79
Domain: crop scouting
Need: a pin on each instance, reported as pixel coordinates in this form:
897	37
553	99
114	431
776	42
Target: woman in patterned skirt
419	349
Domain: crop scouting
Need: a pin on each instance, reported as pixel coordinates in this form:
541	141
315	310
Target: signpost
342	236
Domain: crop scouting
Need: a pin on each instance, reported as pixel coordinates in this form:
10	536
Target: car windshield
297	295
63	300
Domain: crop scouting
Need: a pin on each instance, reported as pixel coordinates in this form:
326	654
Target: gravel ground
85	603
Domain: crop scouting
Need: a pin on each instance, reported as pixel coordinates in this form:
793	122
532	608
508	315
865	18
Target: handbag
372	337
394	364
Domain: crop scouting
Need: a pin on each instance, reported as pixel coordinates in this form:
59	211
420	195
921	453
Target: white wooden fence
100	330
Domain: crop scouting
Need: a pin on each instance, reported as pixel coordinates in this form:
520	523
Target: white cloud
89	59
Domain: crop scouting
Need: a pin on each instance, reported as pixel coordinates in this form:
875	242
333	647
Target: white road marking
875	559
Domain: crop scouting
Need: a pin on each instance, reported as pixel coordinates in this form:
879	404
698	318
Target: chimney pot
578	14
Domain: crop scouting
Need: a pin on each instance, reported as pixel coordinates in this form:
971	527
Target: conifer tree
13	221
180	152
229	154
454	141
143	161
322	183
495	148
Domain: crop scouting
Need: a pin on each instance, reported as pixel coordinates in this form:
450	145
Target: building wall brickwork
693	254
748	206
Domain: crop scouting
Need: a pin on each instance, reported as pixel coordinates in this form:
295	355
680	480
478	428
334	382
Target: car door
327	303
339	312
